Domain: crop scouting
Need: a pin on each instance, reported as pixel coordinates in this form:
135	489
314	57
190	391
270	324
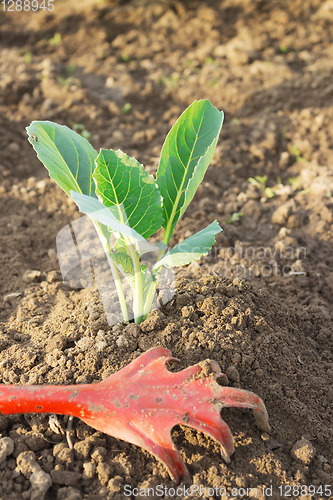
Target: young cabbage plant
128	204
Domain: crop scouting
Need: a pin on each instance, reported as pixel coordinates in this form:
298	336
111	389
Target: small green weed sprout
295	182
296	152
284	49
126	108
236	216
56	39
65	82
125	58
70	69
81	129
260	182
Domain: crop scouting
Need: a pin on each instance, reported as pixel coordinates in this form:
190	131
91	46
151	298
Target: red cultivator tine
142	403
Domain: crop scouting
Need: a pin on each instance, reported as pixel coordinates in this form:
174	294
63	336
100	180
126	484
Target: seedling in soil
236	216
295	182
284	49
81	129
56	39
171	82
296	152
260	182
126	108
27	57
70	69
127	203
236	120
125	58
143	402
65	82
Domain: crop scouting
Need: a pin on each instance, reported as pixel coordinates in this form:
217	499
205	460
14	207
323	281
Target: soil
259	304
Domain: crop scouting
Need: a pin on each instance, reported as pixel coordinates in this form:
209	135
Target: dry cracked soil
259	304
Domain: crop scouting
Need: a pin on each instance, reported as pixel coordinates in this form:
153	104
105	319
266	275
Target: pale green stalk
152	287
114	271
138	287
119	289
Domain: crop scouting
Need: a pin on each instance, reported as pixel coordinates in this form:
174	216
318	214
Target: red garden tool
143	402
